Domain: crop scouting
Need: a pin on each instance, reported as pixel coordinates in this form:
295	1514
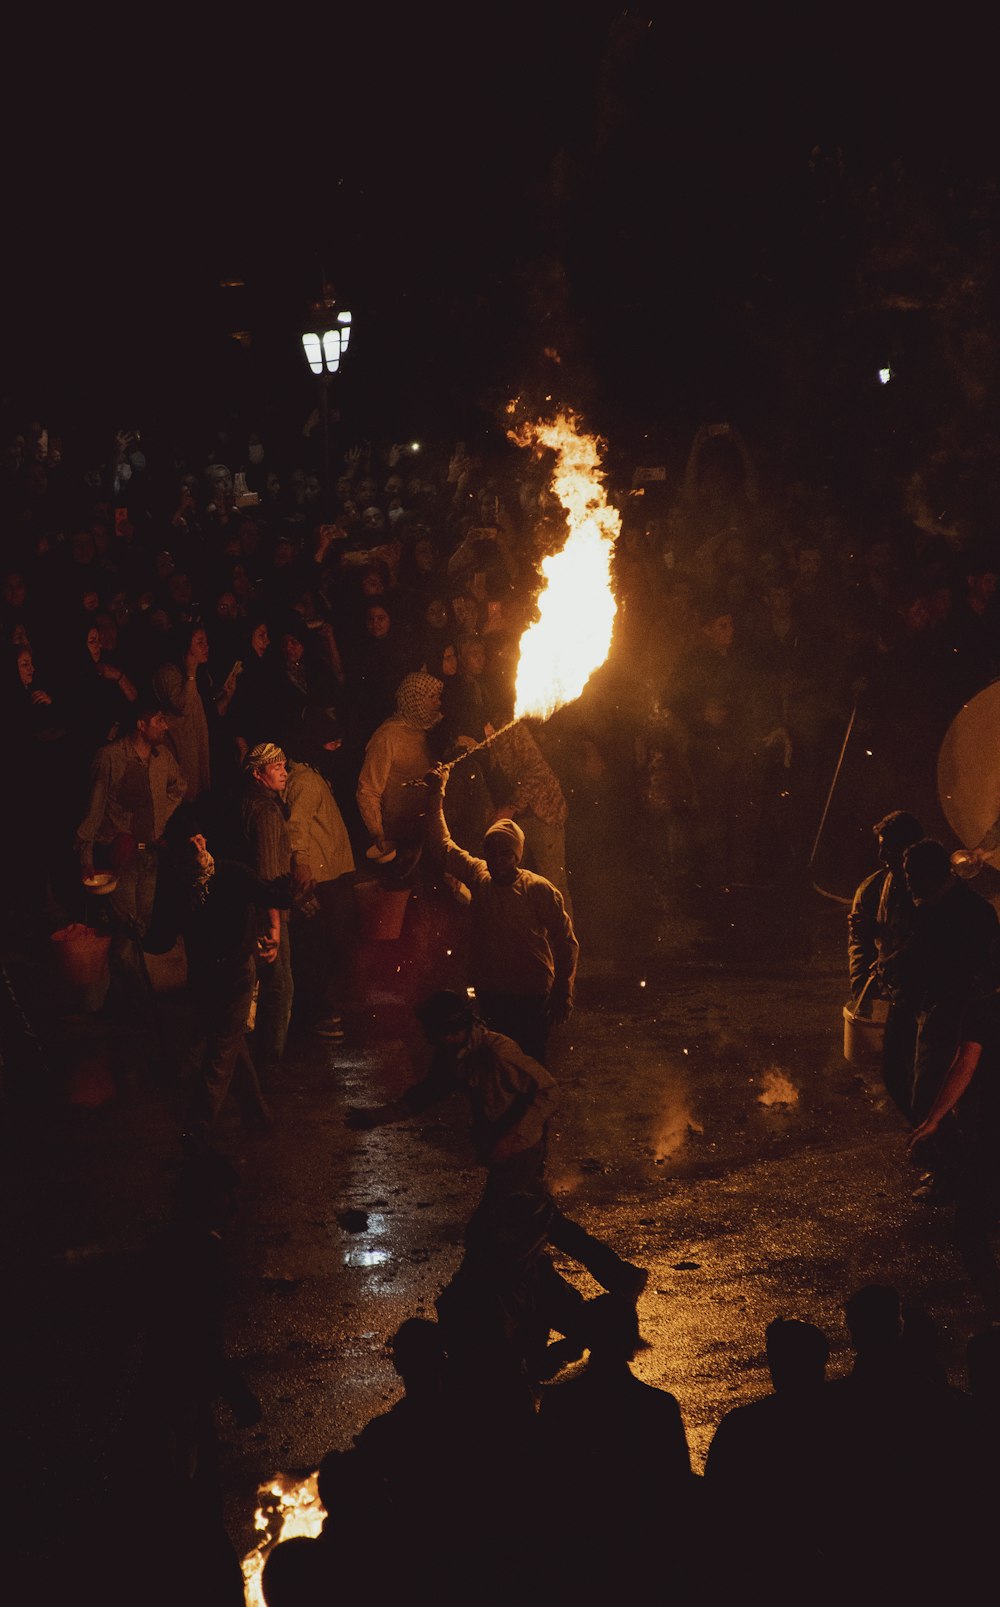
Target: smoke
778	1088
675	1127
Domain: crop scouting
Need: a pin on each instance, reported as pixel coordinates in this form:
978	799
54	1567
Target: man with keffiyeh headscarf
396	757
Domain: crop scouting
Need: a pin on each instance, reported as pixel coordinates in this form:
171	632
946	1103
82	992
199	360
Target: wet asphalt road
710	1129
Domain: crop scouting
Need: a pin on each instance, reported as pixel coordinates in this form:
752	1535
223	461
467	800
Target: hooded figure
392	803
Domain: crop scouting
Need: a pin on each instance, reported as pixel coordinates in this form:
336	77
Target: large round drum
968	772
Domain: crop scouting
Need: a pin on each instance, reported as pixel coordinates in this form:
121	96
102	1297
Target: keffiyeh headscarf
263	754
417	700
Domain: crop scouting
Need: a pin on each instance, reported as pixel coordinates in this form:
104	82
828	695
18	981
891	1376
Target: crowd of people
246	596
240	686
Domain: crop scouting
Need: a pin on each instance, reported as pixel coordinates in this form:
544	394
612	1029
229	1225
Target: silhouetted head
894	834
610	1329
797	1353
927	866
446	1018
318	734
418	1353
296	1571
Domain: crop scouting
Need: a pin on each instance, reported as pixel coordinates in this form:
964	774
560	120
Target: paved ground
710	1129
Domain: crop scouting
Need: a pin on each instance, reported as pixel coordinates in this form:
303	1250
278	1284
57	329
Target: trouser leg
937	1038
898	1049
131	911
246	1084
320	950
604	1265
274	1009
224	1005
516	1201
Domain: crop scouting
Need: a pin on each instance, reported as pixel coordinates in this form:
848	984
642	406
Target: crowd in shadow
521	1464
873	1486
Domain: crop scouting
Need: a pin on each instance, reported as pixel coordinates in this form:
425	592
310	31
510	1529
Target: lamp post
325	344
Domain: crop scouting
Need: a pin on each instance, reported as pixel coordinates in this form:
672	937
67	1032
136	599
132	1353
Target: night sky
722	215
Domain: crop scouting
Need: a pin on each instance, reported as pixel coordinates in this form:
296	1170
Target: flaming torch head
576	607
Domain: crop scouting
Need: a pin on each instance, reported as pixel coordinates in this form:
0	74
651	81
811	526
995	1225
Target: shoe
330	1027
633	1281
931	1191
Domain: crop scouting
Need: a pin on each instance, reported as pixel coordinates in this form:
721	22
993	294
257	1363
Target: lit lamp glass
324	352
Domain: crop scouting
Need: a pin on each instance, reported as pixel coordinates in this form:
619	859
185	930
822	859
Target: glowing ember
572	635
286	1508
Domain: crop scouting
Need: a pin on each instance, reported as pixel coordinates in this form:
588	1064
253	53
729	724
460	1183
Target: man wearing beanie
523	951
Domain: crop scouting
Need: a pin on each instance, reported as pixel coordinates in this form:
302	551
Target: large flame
572	636
286	1507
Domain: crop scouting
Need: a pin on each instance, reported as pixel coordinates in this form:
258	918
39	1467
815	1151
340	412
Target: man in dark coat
878	928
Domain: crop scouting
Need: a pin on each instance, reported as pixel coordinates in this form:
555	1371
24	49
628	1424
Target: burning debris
286	1508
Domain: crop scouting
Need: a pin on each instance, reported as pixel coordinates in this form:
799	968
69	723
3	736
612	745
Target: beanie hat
508	829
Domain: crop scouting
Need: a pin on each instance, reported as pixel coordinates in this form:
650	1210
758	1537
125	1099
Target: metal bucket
81	954
864	1034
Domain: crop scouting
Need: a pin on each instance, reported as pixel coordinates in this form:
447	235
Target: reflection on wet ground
709	1128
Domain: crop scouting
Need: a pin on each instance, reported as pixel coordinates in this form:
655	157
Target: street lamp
325	344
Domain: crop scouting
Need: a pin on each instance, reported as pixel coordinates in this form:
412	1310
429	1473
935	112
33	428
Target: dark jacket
879	925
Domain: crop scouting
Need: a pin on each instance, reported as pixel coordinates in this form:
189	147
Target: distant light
642	984
231	284
884	376
414	446
868	753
